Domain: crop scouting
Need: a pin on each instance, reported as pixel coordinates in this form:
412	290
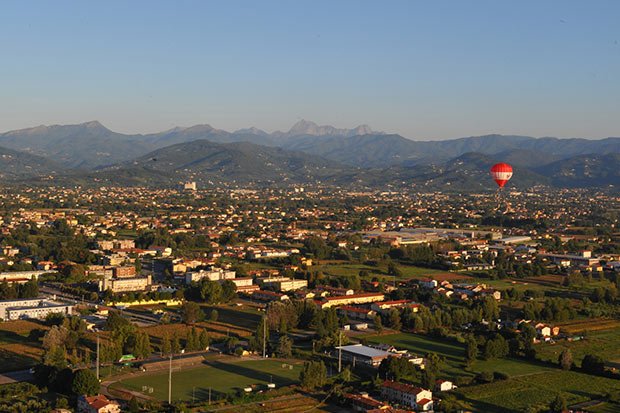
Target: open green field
348	269
222	378
454	354
518	393
245	317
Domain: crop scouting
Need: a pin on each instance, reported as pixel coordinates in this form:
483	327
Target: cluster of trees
317	247
494	345
11	291
130	296
63	379
194	341
179	242
211	292
397	368
126	338
24	397
54	371
607	294
555	309
55	242
353	282
419	255
507	265
447	317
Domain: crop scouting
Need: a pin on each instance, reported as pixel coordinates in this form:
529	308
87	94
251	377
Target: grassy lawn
454	354
222	378
519	393
244	317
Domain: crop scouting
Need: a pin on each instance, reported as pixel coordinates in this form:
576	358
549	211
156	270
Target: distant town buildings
128	284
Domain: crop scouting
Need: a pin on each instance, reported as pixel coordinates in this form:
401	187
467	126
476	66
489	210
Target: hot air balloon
501	173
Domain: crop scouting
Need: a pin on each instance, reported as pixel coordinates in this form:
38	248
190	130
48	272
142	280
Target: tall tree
175	343
85	383
313	375
257	341
566	359
191	312
56	357
203	339
166	345
285	347
472	350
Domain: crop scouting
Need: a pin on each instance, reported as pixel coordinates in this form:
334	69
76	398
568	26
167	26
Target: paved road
15	376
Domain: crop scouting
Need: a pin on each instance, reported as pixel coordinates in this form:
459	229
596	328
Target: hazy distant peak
252	131
93	124
204	128
305	127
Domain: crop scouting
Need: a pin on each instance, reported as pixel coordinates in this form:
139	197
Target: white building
214	274
32	308
407	395
21	276
120	285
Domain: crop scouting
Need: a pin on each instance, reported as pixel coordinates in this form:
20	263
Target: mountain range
305	153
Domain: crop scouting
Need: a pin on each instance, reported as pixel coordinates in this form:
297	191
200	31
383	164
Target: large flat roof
364	350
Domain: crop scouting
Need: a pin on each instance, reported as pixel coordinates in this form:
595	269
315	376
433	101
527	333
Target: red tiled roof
354	309
353	296
405	388
97	402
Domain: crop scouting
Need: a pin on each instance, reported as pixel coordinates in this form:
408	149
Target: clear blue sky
424	69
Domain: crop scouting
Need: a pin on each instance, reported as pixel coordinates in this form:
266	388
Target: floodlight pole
339	351
97	367
264	337
170	381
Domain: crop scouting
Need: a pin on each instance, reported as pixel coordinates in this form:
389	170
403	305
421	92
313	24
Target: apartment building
32	308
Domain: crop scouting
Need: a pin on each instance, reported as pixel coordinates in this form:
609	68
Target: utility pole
170	381
264	337
97	368
209	396
339	351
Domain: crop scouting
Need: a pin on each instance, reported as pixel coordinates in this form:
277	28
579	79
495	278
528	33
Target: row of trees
11	291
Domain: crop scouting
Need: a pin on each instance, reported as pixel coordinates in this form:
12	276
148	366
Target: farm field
222	378
18	350
600	342
605	407
286	404
347	269
518	393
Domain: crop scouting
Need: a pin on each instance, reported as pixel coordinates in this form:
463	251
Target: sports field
222	378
